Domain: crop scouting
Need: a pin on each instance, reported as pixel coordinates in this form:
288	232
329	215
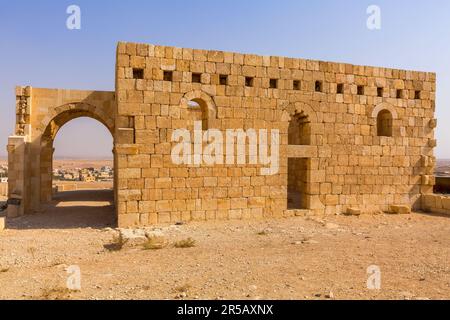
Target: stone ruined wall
436	203
349	165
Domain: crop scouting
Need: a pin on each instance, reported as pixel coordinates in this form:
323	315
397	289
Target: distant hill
443	167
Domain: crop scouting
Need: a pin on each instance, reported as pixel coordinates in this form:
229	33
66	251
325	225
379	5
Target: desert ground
80	163
292	258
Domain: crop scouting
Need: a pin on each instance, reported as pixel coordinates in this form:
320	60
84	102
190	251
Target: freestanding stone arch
40	115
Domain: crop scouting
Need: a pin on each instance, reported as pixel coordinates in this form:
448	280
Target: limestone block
125	136
399	209
439	204
425	161
128	220
302	151
353	212
428	180
126	150
2	223
432	143
429	202
446	203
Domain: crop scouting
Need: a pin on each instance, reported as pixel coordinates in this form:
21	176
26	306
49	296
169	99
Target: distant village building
87	178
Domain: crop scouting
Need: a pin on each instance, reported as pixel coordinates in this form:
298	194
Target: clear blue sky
37	48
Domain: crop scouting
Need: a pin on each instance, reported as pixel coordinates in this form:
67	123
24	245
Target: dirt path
296	258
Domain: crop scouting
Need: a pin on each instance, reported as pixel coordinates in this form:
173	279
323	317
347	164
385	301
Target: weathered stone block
2	223
353	212
399	209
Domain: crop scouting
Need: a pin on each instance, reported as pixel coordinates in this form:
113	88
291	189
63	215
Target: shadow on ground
72	210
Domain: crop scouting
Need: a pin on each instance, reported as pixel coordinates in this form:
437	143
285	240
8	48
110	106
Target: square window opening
249	81
360	90
197	78
318	86
273	83
380	92
417	95
138	73
168	75
223	80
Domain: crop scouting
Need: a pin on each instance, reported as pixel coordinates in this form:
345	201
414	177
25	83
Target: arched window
384	123
198	106
299	130
198	110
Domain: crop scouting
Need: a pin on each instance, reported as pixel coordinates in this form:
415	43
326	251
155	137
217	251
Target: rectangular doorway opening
297	184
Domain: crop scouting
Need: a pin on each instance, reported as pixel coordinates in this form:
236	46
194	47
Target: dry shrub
155	243
117	244
187	243
184	288
58	293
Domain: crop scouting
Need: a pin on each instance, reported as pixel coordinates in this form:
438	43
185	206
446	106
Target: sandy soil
296	258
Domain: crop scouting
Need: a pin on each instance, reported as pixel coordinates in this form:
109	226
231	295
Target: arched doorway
299	134
77	191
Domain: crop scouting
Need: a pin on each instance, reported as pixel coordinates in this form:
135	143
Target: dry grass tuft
58	293
32	252
187	243
155	243
183	289
117	244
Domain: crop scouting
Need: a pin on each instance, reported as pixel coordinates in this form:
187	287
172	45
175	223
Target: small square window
249	81
296	85
360	90
223	80
380	92
168	75
340	88
273	83
197	78
417	95
138	73
399	94
318	86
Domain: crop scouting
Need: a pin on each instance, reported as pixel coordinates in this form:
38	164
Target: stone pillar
18	156
17	176
46	171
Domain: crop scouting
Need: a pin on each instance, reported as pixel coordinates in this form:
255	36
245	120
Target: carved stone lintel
22	109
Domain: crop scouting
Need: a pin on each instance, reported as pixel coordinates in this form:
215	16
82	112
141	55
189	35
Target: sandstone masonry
352	137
